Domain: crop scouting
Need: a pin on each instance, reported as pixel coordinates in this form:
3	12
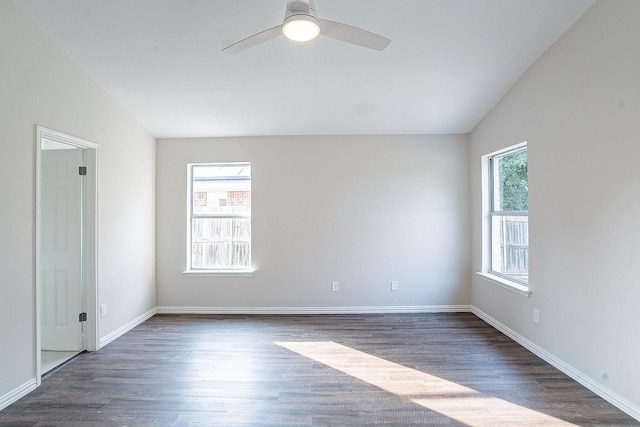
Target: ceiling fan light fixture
301	28
301	24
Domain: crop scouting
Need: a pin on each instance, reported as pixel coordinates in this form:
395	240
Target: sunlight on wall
445	397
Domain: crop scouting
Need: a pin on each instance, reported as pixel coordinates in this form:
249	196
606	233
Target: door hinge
82	170
82	317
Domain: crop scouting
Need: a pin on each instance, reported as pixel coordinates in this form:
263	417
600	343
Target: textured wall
578	109
40	85
362	210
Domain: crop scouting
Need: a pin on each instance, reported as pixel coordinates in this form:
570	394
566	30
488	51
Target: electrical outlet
536	315
103	310
335	286
394	285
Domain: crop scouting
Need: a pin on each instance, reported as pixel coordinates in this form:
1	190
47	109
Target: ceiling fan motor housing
296	8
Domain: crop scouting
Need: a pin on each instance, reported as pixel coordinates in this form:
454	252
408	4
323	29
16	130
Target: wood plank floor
327	370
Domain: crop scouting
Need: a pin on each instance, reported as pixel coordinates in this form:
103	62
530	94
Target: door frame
89	239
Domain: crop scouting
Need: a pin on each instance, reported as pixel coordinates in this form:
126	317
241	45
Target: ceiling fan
301	24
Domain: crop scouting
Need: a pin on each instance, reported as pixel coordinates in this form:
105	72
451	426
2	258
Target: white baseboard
608	395
316	310
126	328
18	393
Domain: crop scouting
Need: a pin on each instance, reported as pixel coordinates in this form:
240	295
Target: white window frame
227	270
498	278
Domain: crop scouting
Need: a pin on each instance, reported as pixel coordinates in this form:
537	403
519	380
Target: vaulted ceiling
448	64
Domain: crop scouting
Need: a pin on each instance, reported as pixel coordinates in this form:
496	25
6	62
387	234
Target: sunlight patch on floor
448	398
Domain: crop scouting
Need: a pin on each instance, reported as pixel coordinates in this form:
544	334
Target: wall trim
316	310
18	393
616	400
127	327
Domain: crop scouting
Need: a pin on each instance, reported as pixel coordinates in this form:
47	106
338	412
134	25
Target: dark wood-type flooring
326	370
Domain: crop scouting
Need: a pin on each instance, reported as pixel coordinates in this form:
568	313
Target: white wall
579	109
362	210
40	85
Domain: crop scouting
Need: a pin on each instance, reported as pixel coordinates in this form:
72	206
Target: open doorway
65	248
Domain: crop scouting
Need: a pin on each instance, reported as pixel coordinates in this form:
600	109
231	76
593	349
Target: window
219	217
509	212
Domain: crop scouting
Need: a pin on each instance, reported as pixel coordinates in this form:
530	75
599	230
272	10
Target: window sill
507	284
234	273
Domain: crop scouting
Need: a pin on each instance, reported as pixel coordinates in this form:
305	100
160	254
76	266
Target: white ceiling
448	64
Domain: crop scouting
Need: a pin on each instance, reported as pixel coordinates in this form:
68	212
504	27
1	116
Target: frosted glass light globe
301	28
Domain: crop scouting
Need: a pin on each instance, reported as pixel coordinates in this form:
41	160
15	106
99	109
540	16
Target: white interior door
61	276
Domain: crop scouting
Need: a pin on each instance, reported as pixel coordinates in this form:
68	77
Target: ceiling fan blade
353	35
253	40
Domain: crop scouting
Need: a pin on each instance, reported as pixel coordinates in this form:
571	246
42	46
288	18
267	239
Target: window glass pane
220	242
220	216
510	182
509	195
510	246
221	189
